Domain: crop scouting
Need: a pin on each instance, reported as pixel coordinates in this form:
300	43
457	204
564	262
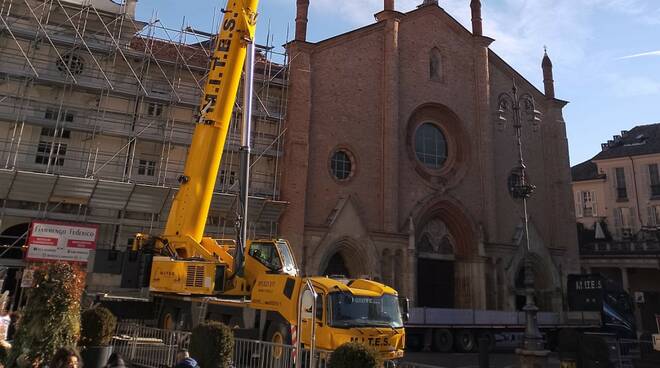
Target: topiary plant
212	345
97	327
51	318
354	355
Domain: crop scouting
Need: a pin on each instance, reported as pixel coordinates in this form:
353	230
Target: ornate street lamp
523	109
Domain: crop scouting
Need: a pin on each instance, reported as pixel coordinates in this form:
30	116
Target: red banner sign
55	241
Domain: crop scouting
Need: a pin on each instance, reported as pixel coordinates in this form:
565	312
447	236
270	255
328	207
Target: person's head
66	358
182	354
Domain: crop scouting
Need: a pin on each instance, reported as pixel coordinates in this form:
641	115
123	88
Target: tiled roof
585	171
192	54
640	140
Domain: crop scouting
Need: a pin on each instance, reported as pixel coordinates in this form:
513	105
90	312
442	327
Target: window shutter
594	205
626	217
649	181
578	204
613	184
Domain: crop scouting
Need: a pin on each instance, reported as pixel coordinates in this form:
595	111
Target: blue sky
606	53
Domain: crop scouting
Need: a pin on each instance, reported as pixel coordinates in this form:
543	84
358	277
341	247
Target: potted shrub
354	355
51	318
212	345
97	328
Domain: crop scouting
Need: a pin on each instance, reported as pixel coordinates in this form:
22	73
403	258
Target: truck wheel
279	335
443	340
488	335
465	341
168	319
175	317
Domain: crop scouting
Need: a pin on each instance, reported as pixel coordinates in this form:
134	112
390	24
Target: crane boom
187	219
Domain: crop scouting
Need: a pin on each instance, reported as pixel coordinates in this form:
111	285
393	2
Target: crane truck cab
355	310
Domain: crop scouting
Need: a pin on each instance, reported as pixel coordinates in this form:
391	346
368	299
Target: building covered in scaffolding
96	115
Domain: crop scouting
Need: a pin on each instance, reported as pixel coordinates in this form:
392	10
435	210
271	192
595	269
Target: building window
653	216
154	109
623	222
655	180
44	156
430	146
229	180
59	133
585	205
435	65
75	64
621	191
147	168
51	114
341	165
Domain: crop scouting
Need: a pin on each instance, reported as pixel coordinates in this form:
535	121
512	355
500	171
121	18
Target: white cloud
650	53
520	27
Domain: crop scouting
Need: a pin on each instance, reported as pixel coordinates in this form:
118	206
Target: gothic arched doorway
435	266
336	266
347	257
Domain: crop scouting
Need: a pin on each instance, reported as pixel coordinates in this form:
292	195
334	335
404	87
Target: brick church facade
396	166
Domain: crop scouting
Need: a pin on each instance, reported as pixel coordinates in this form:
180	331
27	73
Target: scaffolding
97	112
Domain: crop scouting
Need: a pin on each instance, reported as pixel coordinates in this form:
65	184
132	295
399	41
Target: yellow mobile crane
252	285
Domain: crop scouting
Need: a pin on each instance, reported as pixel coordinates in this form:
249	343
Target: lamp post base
533	358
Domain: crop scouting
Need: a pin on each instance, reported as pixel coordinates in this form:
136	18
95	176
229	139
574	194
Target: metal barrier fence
150	347
624	352
260	354
147	346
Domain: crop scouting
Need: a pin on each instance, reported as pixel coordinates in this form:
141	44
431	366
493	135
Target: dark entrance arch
14	236
435	266
12	240
347	257
445	240
336	266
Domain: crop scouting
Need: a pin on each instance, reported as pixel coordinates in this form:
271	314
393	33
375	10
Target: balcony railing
621	248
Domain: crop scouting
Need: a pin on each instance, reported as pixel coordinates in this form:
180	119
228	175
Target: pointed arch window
435	65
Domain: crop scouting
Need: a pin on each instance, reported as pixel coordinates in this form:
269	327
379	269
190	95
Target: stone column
390	122
302	10
483	140
296	150
477	28
411	265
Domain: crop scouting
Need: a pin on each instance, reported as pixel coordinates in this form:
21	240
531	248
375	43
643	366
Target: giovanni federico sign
58	241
